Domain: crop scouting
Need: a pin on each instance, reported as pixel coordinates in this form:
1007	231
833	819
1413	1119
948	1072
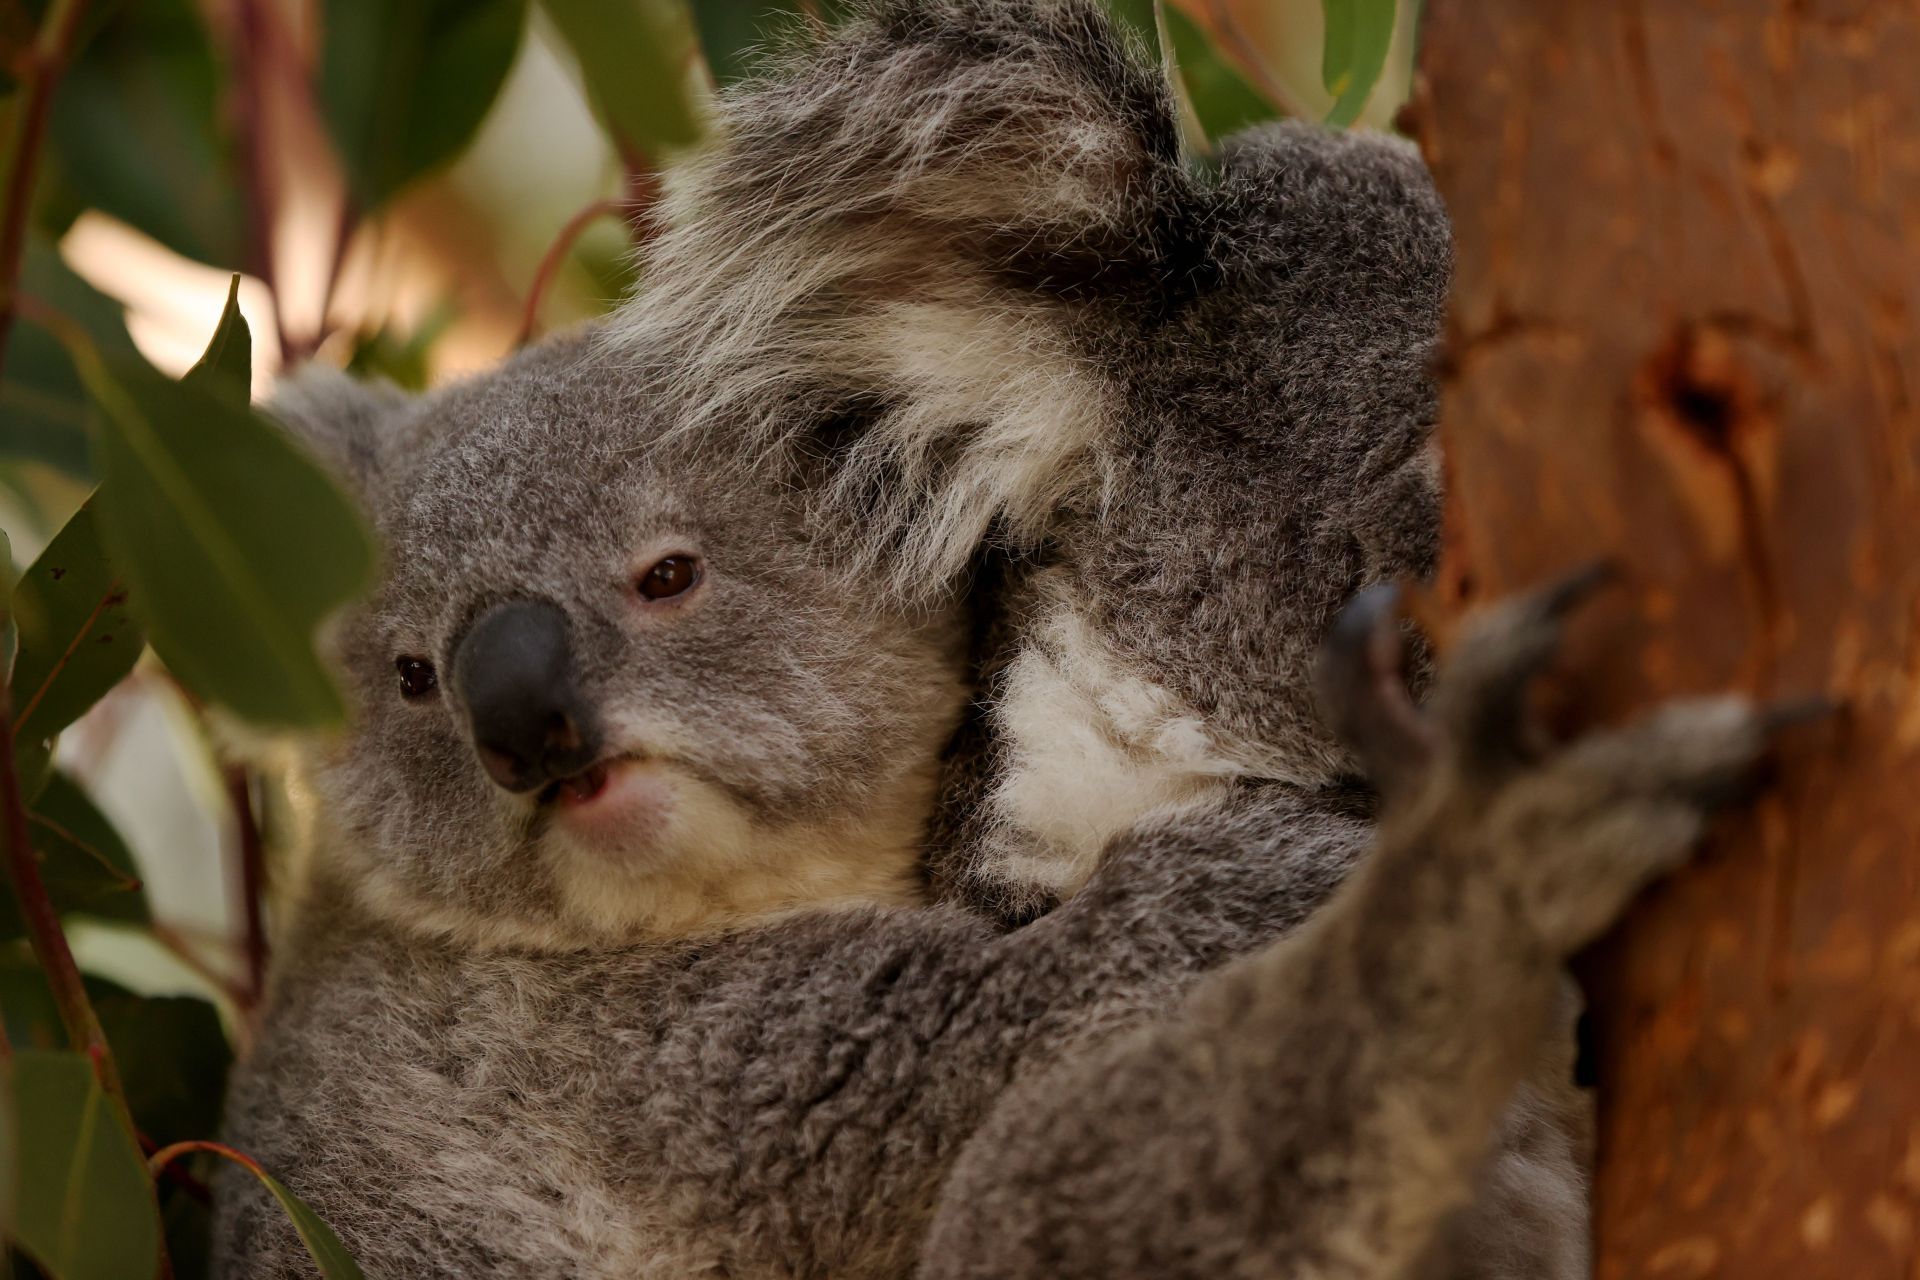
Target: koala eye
417	677
675	575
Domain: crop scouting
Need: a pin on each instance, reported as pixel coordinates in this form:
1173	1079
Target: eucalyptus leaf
172	1052
173	1057
235	544
138	132
85	1208
404	84
323	1246
77	638
1358	35
1222	99
85	865
43	407
227	364
633	56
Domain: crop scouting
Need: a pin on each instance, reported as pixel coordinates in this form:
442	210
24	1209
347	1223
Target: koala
614	954
610	959
1157	421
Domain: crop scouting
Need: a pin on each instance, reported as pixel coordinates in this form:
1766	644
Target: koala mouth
578	789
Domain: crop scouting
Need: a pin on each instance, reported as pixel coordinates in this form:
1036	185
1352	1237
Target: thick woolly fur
958	377
795	723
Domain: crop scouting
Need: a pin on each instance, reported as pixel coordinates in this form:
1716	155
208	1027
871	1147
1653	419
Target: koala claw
1566	832
1363	694
1482	696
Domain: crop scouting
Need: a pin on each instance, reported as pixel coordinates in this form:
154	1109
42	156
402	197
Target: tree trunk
1683	336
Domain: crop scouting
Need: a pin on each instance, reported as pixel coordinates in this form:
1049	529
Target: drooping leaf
138	132
235	544
634	56
323	1246
1222	99
227	364
43	407
85	865
173	1058
86	1209
172	1052
77	638
1358	35
404	84
1215	99
404	360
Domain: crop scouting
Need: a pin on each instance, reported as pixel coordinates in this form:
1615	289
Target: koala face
613	682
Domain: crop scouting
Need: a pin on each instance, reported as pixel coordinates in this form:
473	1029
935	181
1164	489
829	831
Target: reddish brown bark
1683	334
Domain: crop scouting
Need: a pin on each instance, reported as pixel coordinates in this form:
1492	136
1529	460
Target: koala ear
931	213
349	423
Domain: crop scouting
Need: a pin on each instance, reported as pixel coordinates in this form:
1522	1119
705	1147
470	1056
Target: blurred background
408	188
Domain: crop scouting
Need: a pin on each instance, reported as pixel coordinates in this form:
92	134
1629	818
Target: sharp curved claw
1789	712
1363	692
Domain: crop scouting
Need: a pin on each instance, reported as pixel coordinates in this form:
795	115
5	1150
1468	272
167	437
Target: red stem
43	922
250	60
167	1155
44	63
555	255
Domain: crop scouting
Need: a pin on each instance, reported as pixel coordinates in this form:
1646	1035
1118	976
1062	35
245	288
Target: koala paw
1566	833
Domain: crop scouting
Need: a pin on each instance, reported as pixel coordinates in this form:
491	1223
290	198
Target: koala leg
1323	1108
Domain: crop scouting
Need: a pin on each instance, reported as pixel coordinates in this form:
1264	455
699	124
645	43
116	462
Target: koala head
1203	391
612	682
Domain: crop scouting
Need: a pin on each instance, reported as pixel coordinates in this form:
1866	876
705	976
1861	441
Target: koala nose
514	672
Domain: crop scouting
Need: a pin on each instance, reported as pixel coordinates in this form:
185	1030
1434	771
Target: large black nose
514	671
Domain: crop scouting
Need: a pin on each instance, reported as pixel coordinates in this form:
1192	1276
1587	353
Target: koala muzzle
513	671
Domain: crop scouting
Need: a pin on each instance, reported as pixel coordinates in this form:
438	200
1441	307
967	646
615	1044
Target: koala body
613	957
1164	421
692	1018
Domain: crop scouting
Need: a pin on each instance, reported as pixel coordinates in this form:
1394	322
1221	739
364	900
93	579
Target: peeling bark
1683	335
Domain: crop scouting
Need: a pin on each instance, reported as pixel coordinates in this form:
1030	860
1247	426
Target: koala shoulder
1355	207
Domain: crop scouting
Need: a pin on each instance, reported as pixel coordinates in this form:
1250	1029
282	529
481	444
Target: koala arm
839	1063
1322	1107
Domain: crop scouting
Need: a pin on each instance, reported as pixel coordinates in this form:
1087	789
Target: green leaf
171	1050
234	543
1215	99
43	407
86	866
86	1209
405	361
227	363
404	84
1358	35
138	132
633	56
1222	99
173	1057
77	638
323	1246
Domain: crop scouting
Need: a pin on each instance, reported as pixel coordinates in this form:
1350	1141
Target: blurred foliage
405	83
214	548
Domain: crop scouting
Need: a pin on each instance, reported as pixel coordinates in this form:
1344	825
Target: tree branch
44	63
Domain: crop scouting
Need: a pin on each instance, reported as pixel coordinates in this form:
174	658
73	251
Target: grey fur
1219	1054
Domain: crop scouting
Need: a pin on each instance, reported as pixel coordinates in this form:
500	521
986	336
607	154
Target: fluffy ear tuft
348	422
927	211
